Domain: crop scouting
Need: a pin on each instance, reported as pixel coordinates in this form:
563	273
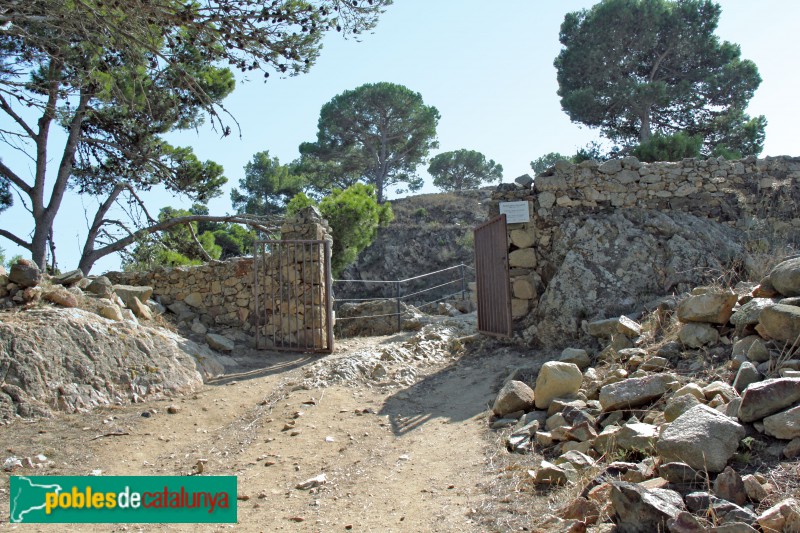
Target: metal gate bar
491	275
293	297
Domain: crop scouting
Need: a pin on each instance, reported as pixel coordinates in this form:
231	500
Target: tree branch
206	255
18	182
4	105
13	238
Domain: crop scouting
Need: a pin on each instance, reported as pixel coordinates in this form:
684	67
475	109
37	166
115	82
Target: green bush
669	148
354	215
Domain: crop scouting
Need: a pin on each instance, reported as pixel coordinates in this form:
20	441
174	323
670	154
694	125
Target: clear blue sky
487	67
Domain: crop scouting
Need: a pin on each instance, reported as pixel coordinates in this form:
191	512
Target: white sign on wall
515	212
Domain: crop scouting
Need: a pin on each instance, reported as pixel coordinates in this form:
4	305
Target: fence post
463	282
397	297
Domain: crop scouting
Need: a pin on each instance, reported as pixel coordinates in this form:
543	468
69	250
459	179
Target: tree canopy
266	187
117	76
378	133
633	68
463	169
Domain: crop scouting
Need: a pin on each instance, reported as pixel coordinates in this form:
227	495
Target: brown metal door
293	298
491	273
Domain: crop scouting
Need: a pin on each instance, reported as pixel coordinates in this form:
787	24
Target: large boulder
781	322
555	380
710	307
701	437
25	273
514	396
785	277
73	360
602	266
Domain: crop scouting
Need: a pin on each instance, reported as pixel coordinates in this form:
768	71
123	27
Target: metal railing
396	292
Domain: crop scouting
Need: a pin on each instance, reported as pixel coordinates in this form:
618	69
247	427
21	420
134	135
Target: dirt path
396	457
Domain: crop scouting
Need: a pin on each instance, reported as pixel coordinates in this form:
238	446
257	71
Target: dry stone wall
604	238
220	294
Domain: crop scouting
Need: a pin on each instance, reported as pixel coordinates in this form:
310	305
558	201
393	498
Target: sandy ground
396	458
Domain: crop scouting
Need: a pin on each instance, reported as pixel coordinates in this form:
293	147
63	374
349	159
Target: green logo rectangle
123	499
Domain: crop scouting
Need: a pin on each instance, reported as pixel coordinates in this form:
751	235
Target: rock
556	380
577	459
677	405
524	180
691	388
155	307
637	436
719	388
747	314
697	335
522	258
173	409
784	516
610	326
792	450
111	312
639	510
101	286
686	522
219	343
576	356
60	297
514	396
128	292
83	361
785	277
741	346
754	490
68	278
768	397
198	327
632	392
702	438
590	273
25	273
581	509
681	474
139	309
784	425
729	486
313	482
758	352
711	307
781	322
654	364
549	474
194	299
746	376
582	432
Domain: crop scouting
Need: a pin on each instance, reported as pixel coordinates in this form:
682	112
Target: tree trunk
644	132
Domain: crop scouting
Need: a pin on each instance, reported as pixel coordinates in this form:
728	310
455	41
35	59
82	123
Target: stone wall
220	295
692	214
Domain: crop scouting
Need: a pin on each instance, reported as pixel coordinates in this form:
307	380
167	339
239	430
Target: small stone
111	312
746	376
581	509
755	491
784	516
60	297
25	273
784	425
640	510
768	397
677	405
792	450
549	474
719	388
632	392
68	278
313	482
691	388
680	473
173	409
576	356
781	322
785	277
729	486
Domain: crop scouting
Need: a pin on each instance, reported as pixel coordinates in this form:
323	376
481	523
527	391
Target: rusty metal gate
491	275
292	295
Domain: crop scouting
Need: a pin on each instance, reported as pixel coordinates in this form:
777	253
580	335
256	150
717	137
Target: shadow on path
461	391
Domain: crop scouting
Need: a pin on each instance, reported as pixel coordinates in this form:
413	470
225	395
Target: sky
486	66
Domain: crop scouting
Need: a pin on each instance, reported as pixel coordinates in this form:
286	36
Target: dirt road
396	457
